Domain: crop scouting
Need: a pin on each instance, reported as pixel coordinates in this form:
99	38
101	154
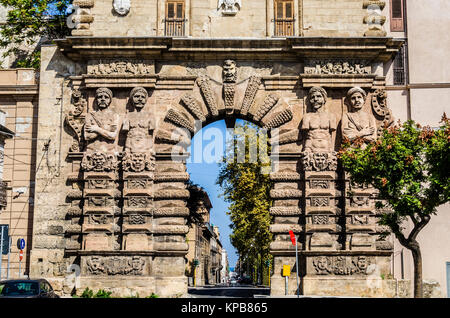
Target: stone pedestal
101	214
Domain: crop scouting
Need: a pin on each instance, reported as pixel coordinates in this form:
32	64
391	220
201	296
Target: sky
206	150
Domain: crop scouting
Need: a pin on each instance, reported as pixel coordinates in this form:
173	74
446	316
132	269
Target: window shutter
397	23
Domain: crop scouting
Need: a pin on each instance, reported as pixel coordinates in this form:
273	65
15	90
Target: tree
28	23
248	191
408	165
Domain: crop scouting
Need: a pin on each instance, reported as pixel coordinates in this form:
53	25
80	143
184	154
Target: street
221	291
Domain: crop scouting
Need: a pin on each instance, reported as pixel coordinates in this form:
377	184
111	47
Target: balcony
174	27
284	27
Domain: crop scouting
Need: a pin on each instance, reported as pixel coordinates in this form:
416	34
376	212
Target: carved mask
122	7
320	160
362	262
229	71
98	161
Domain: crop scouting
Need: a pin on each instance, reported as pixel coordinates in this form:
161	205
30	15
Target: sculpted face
139	99
317	100
357	100
229	71
103	100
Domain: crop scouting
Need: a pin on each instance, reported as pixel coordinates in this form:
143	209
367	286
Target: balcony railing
174	27
284	27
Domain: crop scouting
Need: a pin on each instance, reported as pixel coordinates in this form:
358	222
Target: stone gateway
131	104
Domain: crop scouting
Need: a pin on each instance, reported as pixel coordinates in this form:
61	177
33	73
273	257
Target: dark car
26	288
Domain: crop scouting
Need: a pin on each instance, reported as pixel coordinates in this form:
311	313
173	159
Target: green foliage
28	23
408	165
103	294
89	293
153	295
248	191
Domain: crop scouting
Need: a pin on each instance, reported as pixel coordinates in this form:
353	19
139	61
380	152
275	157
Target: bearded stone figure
318	125
101	130
358	124
138	124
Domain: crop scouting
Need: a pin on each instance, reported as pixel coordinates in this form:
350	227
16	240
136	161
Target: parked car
26	288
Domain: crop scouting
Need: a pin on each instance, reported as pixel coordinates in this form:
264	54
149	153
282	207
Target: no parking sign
21	244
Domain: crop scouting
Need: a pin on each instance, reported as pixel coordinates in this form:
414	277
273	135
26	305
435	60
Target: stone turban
354	90
104	90
138	89
320	90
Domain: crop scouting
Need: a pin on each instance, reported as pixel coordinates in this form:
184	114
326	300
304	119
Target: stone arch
207	103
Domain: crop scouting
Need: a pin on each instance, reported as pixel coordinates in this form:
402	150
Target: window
400	66
174	21
284	18
397	16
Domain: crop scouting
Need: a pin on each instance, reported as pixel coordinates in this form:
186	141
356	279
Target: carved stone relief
318	124
337	67
120	67
341	265
229	7
122	7
75	119
229	85
357	124
116	265
138	153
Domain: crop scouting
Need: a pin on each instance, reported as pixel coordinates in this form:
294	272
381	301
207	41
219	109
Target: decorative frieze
116	265
341	265
120	67
337	67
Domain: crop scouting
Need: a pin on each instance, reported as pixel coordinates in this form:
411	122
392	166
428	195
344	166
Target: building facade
19	107
132	82
205	249
418	88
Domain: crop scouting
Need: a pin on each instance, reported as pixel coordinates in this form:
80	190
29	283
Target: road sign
292	237
286	270
21	255
21	244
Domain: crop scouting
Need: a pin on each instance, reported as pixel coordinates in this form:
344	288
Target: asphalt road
218	291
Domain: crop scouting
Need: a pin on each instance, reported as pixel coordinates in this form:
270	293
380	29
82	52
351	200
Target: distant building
204	258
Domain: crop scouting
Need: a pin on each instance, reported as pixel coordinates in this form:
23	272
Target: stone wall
253	19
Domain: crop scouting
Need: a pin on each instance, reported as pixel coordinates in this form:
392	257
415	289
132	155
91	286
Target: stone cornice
369	48
19	91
